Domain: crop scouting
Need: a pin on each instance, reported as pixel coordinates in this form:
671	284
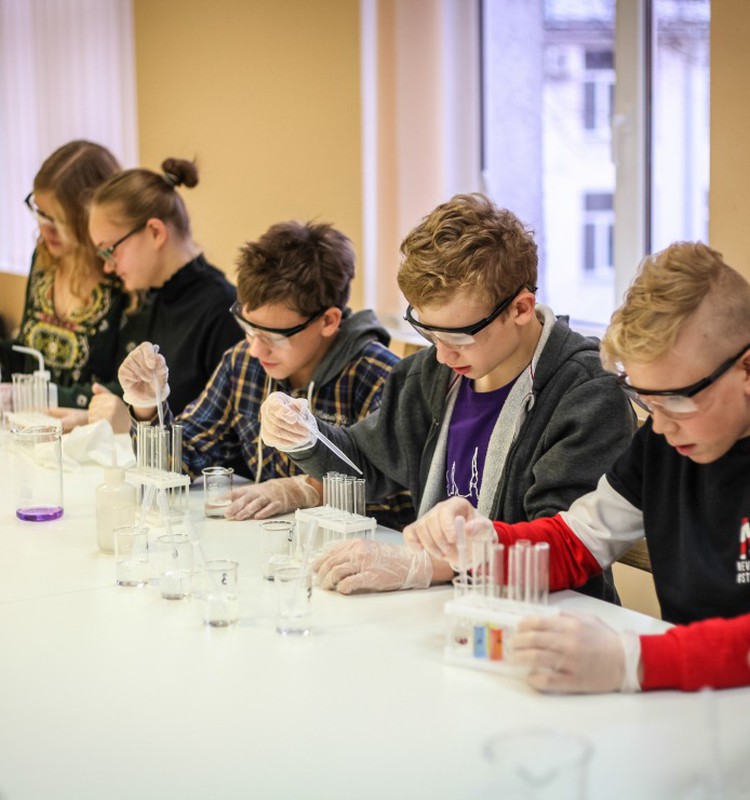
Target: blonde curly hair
467	244
670	287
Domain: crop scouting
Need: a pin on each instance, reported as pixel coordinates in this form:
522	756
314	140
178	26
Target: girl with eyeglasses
72	309
140	226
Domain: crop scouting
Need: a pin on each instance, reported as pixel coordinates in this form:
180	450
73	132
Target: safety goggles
460	337
107	254
678	403
41	216
272	337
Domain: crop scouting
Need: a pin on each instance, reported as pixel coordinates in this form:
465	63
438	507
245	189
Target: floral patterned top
80	350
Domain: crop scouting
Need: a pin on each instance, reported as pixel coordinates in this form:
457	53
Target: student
681	344
300	336
509	408
139	223
72	310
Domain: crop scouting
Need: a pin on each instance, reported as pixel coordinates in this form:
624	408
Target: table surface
112	692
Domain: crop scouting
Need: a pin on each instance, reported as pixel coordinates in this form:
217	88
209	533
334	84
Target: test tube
479	558
517	569
162	449
347	494
326	489
360	495
541	573
497	560
176	463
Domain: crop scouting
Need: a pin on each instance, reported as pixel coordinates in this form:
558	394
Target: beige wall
266	95
729	202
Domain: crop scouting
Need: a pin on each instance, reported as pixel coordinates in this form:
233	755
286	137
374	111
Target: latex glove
277	496
69	417
137	374
280	424
435	532
106	405
365	565
575	653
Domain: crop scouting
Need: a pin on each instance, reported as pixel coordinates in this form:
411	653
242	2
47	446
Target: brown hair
307	267
72	173
467	243
670	287
139	194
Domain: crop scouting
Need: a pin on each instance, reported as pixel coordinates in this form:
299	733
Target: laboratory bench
113	692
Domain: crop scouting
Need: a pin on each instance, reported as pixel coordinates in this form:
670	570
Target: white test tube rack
156	449
484	614
479	628
337	525
174	485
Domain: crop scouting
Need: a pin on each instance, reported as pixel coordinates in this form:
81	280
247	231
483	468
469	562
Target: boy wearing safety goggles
683	484
293	286
509	408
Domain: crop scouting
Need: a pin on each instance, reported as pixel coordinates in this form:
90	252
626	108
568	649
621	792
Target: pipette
157	394
328	443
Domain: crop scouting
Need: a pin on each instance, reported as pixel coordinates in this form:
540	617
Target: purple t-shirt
472	423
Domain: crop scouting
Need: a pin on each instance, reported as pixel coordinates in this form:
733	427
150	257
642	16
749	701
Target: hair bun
179	172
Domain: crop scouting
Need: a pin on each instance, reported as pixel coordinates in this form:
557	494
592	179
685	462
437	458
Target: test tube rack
479	629
344	523
173	484
486	609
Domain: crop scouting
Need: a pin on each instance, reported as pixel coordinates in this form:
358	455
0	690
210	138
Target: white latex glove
361	565
137	374
280	423
575	653
435	532
277	496
105	405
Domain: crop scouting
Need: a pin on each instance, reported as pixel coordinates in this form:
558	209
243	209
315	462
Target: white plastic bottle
115	506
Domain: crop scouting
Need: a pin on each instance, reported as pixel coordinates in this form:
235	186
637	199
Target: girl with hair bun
140	226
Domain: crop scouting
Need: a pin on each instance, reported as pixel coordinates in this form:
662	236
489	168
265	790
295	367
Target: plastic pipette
328	443
157	394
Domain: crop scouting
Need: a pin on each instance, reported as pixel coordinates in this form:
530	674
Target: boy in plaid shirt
293	285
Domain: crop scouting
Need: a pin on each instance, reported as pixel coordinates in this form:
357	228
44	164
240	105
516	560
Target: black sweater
188	317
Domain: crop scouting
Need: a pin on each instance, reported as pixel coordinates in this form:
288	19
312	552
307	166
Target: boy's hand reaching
280	423
435	532
277	496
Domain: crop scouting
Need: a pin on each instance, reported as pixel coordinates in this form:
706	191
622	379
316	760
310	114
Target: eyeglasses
678	403
108	253
273	337
41	217
460	337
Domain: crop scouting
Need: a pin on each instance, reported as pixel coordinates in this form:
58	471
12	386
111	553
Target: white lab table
112	692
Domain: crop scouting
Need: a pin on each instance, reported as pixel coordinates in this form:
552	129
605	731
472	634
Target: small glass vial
115	507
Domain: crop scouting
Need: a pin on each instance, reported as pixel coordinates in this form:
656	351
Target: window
595	132
66	72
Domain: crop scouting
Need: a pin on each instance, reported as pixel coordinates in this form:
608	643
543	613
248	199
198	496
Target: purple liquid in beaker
39	513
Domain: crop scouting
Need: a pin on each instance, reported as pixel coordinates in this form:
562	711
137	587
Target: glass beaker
38	472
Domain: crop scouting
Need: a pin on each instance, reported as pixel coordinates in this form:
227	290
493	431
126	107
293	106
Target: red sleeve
690	657
571	563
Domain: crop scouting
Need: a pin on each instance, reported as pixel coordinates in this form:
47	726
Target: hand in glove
280	423
435	532
364	565
576	653
277	496
139	371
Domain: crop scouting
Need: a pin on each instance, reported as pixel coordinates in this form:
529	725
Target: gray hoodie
563	424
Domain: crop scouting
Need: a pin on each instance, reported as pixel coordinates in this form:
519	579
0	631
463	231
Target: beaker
38	473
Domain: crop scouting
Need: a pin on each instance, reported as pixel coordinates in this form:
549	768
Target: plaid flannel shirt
223	424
